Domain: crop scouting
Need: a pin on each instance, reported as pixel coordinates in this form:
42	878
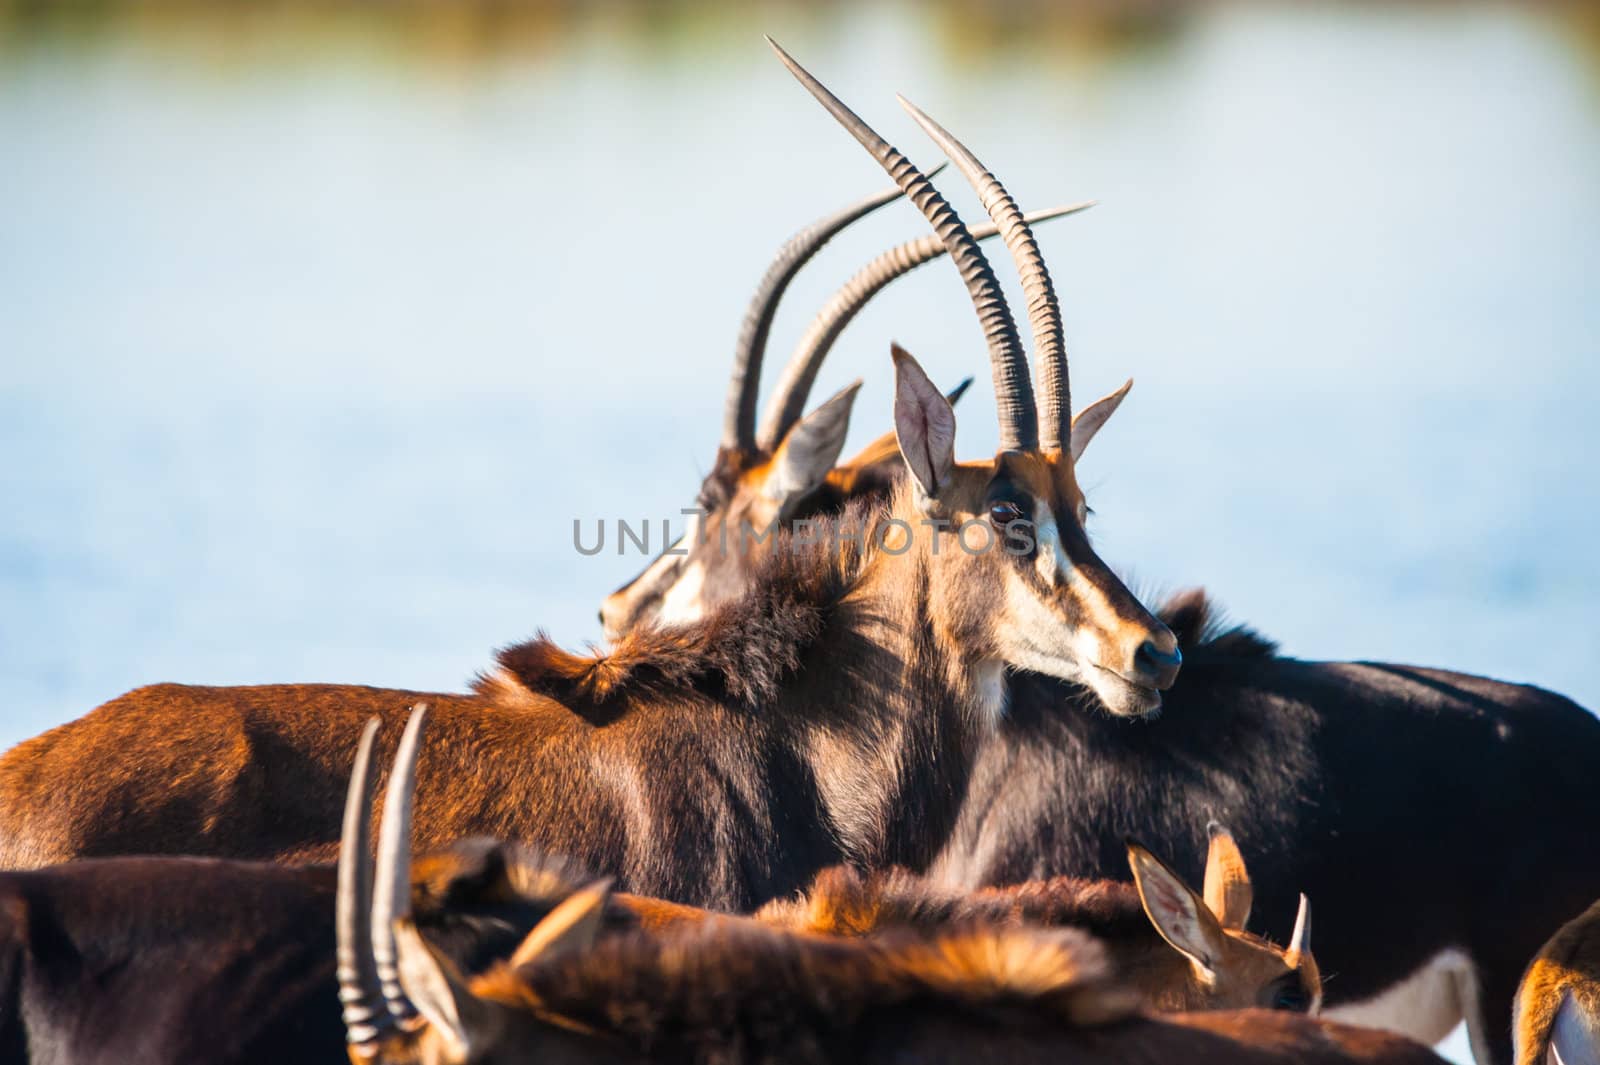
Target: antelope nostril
1159	661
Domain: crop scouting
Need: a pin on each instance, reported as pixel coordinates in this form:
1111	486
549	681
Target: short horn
1044	309
1019	426
1300	939
366	1016
794	388
391	893
739	417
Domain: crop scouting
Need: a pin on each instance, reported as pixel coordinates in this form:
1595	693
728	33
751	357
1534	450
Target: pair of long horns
1019	427
739	415
371	898
787	404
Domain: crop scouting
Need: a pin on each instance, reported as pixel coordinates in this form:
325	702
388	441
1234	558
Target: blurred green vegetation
450	31
485	31
469	33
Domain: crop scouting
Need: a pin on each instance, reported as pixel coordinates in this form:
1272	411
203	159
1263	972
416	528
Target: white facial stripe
1038	639
1050	558
1035	637
1052	561
663	565
683	602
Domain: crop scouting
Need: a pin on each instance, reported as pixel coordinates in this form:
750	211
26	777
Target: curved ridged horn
1044	309
788	402
391	891
1019	426
366	1016
739	415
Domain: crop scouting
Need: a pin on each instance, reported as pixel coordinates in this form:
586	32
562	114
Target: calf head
1218	965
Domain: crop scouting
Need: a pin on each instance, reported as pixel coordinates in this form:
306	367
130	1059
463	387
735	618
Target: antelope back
1136	924
727	989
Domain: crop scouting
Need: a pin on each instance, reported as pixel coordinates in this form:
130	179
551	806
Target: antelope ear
924	425
1091	418
1227	889
811	448
1177	912
439	993
883	453
571	926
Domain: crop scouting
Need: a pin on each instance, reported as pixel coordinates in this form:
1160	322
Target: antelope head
1024	585
1217	964
786	471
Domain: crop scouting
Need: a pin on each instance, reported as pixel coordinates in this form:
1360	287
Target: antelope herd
871	795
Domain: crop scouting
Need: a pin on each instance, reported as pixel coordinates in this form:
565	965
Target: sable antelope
1557	1015
731	990
786	472
1180	951
1330	772
828	716
1367	785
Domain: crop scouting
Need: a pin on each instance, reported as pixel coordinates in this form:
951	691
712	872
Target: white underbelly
1426	1005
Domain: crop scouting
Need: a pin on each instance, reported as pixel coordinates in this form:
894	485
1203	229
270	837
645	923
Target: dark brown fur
176	961
701	767
729	992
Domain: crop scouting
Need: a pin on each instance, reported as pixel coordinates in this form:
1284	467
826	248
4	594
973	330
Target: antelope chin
1121	698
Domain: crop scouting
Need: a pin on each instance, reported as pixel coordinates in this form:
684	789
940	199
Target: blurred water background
319	325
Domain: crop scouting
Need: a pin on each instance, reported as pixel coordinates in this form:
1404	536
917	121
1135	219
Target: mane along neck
819	592
1204	632
741	654
831	667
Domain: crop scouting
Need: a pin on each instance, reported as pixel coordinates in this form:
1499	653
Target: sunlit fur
828	716
843	902
1569	965
816	720
732	992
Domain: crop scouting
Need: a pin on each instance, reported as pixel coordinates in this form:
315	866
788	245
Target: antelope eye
1003	512
1291	998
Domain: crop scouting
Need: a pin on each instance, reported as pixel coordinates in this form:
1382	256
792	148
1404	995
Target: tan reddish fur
842	902
559	749
724	990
